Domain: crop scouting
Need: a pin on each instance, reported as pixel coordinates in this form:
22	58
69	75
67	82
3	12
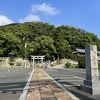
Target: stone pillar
92	83
33	62
91	60
41	61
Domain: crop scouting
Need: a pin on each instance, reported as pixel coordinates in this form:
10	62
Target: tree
8	43
42	45
43	38
62	45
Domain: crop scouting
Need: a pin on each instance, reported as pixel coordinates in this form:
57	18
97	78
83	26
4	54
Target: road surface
71	79
12	82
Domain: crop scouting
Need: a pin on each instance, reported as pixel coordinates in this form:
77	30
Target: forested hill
37	38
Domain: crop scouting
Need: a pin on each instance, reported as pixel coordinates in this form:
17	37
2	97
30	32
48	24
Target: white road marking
79	77
71	76
63	88
53	69
76	71
73	80
71	85
25	90
8	70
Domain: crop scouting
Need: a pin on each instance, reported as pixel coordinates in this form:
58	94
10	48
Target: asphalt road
71	79
12	82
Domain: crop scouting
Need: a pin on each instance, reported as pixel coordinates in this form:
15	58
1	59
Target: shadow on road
12	87
75	90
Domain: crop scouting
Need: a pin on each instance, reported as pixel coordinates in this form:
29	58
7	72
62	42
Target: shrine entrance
37	58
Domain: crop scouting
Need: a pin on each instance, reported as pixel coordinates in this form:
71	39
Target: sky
84	14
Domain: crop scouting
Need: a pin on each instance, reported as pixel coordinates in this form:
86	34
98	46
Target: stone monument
92	82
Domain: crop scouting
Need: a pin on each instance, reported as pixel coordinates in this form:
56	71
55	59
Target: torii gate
37	57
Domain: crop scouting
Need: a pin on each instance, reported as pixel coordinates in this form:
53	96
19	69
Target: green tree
43	45
8	43
64	39
62	45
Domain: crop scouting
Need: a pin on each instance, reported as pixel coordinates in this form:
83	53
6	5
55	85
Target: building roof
82	51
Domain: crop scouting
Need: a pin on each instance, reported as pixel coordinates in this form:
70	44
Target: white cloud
45	8
30	18
37	9
4	20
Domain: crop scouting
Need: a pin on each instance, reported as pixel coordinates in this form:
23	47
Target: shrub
81	62
68	65
11	61
74	57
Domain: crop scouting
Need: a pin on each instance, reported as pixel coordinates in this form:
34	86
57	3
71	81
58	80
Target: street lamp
25	49
25	45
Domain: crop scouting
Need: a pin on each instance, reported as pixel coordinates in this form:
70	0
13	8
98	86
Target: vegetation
38	38
68	65
81	62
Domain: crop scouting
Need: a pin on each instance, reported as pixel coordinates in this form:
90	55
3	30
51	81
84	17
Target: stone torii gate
37	57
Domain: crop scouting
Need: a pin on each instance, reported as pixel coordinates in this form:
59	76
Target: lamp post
25	45
25	49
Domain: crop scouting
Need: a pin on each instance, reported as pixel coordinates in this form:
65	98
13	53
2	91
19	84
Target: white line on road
53	69
71	85
79	77
75	70
63	88
73	80
25	90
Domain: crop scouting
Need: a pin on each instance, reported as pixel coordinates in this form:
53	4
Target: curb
63	88
25	90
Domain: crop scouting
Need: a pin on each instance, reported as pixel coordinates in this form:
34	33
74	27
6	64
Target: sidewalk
43	88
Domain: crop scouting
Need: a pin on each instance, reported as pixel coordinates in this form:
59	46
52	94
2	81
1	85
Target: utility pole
25	55
25	45
25	49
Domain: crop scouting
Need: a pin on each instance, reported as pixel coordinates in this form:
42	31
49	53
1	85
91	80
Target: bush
81	62
11	61
68	65
74	57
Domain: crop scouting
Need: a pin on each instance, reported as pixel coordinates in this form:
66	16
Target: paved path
44	88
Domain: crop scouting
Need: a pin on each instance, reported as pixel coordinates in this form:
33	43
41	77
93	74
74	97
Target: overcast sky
83	14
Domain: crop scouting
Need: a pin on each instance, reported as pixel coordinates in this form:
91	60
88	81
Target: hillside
37	38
